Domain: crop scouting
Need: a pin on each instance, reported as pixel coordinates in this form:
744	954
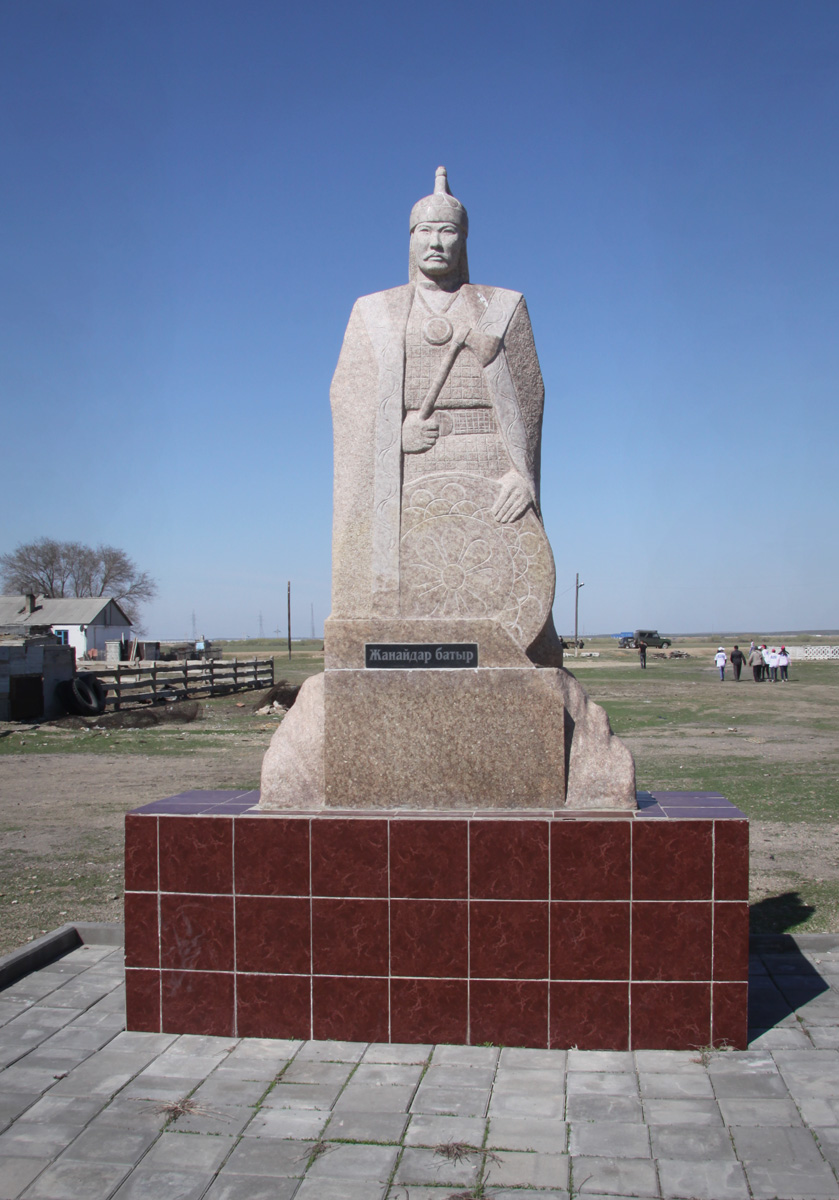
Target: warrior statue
437	466
440	559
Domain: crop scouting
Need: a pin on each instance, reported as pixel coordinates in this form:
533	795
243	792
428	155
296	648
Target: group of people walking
766	664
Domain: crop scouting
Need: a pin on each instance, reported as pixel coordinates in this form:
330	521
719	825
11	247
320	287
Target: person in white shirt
773	665
783	664
720	659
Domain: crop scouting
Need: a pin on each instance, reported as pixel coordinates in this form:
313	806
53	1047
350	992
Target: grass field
773	749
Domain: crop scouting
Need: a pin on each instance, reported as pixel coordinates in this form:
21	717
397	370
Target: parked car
651	636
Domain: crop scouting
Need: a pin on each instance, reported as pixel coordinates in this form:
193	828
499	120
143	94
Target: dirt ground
773	749
62	813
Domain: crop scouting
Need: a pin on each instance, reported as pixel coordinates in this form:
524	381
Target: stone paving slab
83	1107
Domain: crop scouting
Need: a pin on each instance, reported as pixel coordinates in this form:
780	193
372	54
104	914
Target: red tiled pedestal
597	930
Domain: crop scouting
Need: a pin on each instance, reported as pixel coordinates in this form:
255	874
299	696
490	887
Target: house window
63	636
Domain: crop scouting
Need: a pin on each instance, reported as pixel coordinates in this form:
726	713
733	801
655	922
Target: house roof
69	610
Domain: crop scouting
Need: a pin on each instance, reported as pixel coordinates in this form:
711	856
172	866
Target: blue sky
194	192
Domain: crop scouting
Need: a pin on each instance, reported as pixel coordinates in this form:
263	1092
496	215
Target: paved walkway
89	1111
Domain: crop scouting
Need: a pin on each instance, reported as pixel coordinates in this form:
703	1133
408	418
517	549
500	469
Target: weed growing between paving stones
314	1153
478	1192
185	1107
706	1054
575	1189
458	1152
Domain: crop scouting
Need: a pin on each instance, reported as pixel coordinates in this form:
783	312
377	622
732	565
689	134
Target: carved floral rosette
458	561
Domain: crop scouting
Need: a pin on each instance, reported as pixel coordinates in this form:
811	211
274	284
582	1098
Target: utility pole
577	614
313	622
194	627
261	630
289	620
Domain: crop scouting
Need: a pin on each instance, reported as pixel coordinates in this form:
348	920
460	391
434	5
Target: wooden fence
158	680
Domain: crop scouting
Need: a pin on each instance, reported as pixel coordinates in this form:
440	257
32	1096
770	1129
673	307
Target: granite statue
439	550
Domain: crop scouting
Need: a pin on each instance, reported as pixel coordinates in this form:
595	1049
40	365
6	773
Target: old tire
85	696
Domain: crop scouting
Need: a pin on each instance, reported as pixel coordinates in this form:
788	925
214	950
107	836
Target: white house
86	623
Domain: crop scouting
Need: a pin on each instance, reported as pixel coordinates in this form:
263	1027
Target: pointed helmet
441	205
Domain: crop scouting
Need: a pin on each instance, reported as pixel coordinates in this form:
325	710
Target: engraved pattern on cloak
457	560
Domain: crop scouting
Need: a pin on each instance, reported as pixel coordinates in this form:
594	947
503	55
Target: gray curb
56	944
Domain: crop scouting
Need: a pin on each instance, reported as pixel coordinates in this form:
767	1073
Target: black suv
651	636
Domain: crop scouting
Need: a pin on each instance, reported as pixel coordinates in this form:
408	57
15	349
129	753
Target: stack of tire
84	695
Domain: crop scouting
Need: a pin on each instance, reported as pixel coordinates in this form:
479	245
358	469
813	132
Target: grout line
407	899
550	918
713	919
311	942
235	957
159	931
468	824
389	949
629	964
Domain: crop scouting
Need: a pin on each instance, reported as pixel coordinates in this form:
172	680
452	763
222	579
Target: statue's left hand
513	499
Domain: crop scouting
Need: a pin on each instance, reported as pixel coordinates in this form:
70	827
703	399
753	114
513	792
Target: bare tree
50	568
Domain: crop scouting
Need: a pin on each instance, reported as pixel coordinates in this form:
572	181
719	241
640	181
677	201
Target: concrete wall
98	635
35	656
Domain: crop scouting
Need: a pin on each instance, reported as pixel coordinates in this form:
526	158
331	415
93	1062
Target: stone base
611	931
431	739
507	734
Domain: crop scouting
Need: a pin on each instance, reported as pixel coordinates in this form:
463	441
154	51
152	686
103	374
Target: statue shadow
782	981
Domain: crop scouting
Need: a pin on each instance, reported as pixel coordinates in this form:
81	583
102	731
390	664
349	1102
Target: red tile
349	857
671	860
508	1013
142	1001
273	1006
731	941
196	854
508	940
429	937
142	942
349	937
671	941
731	1015
198	1002
353	1010
272	856
428	859
429	1010
196	932
670	1016
590	860
590	1016
590	941
272	934
731	860
508	860
140	854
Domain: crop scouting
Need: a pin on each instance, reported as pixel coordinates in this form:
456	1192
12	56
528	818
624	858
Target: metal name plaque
409	655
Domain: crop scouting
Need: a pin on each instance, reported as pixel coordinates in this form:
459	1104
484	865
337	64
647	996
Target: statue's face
437	247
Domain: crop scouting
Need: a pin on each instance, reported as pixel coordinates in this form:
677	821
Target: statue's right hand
419	435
